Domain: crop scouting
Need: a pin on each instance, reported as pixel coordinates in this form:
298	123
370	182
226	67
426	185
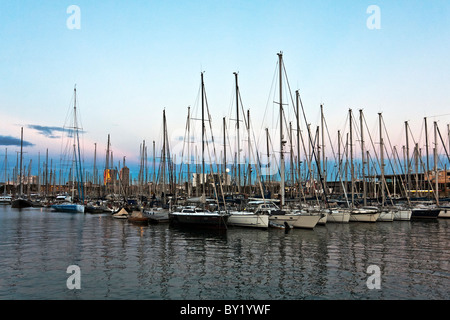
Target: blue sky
132	59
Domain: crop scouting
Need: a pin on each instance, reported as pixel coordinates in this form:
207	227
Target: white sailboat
69	206
248	219
401	213
338	215
386	215
364	214
445	211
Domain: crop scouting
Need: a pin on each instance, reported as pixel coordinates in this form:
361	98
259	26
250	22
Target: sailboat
69	206
5	199
386	214
200	216
21	202
299	219
368	214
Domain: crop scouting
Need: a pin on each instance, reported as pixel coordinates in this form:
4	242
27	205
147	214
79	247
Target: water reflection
121	260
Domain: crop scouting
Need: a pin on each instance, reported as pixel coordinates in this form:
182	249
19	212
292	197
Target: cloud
47	131
11	141
50	132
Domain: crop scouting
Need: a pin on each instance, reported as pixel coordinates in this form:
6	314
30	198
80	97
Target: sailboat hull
238	219
444	213
386	216
21	203
402	215
307	221
338	217
209	221
364	217
290	219
70	208
426	213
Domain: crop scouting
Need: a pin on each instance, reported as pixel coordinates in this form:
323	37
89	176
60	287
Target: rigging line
443	144
389	141
183	149
258	175
389	161
315	156
273	156
268	99
289	88
334	158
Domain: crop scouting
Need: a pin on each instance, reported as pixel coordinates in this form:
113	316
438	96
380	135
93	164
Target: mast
324	168
237	129
95	164
436	172
224	151
249	155
154	168
78	159
20	168
416	162
351	160
107	166
203	140
362	157
163	167
382	162
280	63
408	165
339	153
291	154
268	160
189	153
46	173
6	163
426	150
298	139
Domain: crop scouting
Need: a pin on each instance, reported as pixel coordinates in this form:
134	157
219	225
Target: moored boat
386	215
401	213
121	214
138	217
158	215
338	216
21	203
364	215
248	219
425	212
5	200
197	217
275	214
445	212
308	218
68	207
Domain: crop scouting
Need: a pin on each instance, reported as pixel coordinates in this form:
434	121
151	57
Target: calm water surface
121	260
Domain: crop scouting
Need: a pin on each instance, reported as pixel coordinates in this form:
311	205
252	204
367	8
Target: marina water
121	260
